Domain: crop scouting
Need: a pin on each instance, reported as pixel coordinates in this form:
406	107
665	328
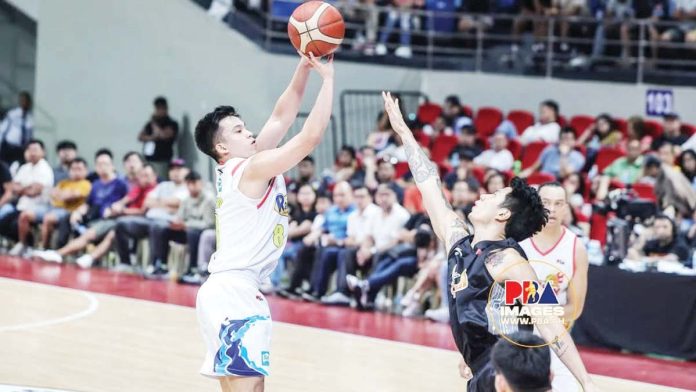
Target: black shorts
484	378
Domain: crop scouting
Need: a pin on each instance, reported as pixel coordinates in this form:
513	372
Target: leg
193	238
26	218
347	265
127	228
49	223
103	247
303	267
159	235
326	264
405	25
389	272
78	243
206	247
242	384
388	26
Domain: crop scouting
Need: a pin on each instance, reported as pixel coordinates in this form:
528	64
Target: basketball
316	27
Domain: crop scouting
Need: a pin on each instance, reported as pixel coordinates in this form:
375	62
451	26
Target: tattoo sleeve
495	259
558	346
421	167
457	231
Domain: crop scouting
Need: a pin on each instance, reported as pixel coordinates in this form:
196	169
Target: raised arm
448	226
286	108
269	163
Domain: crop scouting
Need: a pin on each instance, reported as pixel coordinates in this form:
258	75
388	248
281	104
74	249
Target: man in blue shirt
332	241
559	159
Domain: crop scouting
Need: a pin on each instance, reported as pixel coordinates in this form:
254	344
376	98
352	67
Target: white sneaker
380	50
48	255
85	261
124	268
403	52
412	309
337	298
17	250
441	315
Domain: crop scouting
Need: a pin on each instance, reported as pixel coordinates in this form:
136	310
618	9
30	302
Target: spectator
333	239
567	9
522	366
399	11
464	195
162	205
547	129
306	175
626	169
347	168
498	156
467	144
674	192
660	243
559	159
574	186
428	277
132	163
391	267
360	223
602	133
158	137
394	152
66	151
454	114
6	182
383	174
107	190
671	130
685	13
667	154
67	196
196	214
687	164
439	127
16	130
652	167
206	248
462	170
636	129
690	144
31	185
301	217
616	16
494	182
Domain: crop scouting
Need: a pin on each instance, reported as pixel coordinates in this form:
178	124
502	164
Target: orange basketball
316	27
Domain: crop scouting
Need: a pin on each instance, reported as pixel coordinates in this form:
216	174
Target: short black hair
66	145
129	154
423	238
208	126
526	369
34	141
566	129
527	214
652	161
349	149
308	158
79	160
550	103
103	151
192	176
468	130
160	102
453	100
662	216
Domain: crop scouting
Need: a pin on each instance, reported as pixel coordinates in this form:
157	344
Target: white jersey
250	233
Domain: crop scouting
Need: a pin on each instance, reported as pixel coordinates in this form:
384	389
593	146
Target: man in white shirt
16	129
497	157
360	223
32	184
547	129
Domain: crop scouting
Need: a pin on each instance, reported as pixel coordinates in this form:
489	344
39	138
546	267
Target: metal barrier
360	110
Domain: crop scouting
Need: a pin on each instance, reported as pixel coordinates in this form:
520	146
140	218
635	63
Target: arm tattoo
495	259
421	167
558	346
458	231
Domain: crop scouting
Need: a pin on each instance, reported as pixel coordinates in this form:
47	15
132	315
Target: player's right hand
325	70
465	370
391	106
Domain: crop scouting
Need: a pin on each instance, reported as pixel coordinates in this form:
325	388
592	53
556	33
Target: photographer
660	243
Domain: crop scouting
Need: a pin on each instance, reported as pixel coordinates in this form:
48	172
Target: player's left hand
325	70
391	106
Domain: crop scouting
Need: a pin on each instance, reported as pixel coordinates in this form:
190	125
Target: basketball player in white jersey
251	225
559	256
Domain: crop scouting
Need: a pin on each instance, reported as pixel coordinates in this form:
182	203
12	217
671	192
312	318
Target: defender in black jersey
482	255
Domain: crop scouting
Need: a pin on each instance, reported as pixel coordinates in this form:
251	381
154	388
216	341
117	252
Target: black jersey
470	290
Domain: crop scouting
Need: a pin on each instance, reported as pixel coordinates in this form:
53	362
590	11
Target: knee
50	219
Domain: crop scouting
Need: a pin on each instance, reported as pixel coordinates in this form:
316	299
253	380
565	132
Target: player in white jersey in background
251	224
559	256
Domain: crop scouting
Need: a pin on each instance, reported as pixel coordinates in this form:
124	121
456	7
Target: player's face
554	199
487	207
235	139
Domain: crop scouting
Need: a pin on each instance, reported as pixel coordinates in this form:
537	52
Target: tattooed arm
449	227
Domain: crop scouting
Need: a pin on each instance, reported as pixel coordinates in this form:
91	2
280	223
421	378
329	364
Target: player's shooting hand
304	61
391	106
465	370
325	70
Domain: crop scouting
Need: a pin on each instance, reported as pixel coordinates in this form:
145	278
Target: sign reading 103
659	102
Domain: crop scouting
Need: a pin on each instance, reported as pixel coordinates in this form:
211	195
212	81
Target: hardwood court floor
69	339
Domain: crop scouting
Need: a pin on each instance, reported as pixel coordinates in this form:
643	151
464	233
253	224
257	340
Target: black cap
671	116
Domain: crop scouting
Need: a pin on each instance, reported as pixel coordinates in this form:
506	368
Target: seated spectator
390	267
6	183
635	129
360	222
302	215
660	243
464	195
382	173
547	129
475	16
162	205
626	169
498	156
687	164
206	248
667	153
467	145
493	182
508	128
674	192
461	171
66	197
32	185
429	277
685	13
559	159
106	191
66	151
394	152
577	227
399	11
454	115
602	133
672	132
439	127
524	365
132	163
158	136
332	240
306	174
16	130
347	168
652	167
196	213
574	186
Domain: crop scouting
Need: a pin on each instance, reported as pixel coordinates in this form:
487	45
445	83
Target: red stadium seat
515	148
522	119
606	156
562	121
478	172
400	169
442	146
598	228
580	123
645	191
622	125
539	178
422	138
531	153
487	120
483	142
428	112
688	129
468	111
582	149
653	128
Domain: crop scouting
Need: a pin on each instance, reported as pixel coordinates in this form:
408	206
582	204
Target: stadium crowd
354	232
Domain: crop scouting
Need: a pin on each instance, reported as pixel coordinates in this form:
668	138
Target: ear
221	150
503	215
